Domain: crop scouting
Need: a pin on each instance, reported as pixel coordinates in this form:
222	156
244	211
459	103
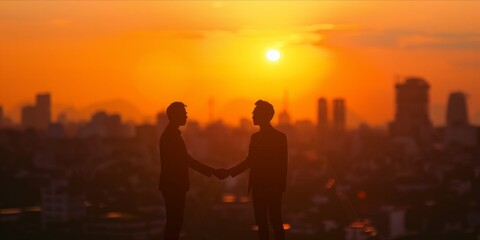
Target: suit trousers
174	208
267	206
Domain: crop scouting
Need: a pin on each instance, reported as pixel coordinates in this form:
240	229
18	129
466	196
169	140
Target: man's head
263	113
177	114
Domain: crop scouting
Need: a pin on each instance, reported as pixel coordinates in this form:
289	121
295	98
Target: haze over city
136	57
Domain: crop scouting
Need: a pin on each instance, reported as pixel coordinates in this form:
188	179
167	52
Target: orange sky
140	56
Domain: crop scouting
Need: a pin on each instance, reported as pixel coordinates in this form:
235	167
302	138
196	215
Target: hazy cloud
402	39
446	41
287	36
469	63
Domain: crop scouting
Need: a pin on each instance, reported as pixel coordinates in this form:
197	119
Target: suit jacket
175	161
267	159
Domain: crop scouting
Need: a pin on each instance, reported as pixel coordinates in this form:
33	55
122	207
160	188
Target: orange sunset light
137	57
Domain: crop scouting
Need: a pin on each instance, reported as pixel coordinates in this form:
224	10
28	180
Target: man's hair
266	108
174	107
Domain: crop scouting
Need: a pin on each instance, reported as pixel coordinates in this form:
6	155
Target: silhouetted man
174	177
267	160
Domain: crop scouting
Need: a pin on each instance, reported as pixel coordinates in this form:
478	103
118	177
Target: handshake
221	173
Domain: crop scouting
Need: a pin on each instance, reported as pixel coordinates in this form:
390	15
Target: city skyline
330	112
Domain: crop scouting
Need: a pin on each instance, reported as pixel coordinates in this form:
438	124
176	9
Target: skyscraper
29	117
457	114
284	116
412	116
339	115
322	115
43	110
458	129
37	116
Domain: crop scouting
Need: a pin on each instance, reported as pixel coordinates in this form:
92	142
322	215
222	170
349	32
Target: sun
272	55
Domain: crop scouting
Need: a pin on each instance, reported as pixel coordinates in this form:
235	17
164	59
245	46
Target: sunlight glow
273	55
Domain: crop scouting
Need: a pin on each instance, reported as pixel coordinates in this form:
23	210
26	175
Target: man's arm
239	168
199	167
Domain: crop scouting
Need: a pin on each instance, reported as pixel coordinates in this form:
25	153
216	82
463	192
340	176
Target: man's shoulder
272	134
278	133
168	135
165	134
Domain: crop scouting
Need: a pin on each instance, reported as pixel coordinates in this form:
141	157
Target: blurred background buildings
98	179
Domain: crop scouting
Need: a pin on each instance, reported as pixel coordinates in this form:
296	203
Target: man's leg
174	208
261	215
275	215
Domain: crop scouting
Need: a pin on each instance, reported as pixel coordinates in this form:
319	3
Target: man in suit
174	176
267	161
